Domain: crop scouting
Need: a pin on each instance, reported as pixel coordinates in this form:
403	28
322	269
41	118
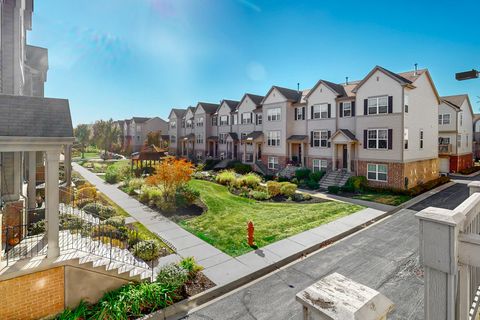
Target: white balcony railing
450	254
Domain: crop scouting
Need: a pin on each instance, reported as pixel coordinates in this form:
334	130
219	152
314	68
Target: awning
298	138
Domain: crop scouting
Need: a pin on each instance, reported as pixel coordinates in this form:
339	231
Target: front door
345	157
259	154
234	155
299	160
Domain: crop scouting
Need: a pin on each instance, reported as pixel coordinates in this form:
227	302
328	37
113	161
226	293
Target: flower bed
174	283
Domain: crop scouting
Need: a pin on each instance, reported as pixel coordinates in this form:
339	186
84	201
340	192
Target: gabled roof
345	132
338	89
140	119
289	94
458	100
208	107
253	136
257	100
395	76
232	104
178	112
233	135
23	116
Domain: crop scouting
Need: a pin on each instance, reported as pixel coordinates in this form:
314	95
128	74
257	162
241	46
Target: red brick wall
282	160
458	163
395	177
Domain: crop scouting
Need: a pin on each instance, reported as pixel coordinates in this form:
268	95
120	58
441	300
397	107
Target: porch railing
450	254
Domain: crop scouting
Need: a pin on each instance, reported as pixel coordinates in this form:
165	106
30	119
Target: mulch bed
197	285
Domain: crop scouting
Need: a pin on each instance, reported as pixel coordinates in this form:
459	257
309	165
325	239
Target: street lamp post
467	75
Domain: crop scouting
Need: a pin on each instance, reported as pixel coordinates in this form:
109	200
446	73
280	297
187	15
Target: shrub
283	179
226	177
186	196
316	176
250	180
242	168
356	183
86	192
100	210
307	196
166	206
312	184
72	222
288	189
172	275
151	195
333	189
259	195
116	221
421	188
294	180
111	175
302	173
273	188
191	266
108	232
210	164
469	170
147	250
136	183
36	228
297	197
268	177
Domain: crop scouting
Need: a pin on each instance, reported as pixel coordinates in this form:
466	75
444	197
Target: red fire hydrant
250	234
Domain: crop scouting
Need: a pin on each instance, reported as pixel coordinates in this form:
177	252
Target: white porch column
244	152
334	157
68	165
51	202
349	157
32	179
255	146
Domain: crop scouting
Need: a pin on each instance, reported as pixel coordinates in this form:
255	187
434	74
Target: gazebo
148	157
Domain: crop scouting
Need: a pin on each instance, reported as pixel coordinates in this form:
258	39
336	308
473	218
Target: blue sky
119	58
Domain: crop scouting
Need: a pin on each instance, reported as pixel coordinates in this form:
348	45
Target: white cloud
256	71
250	5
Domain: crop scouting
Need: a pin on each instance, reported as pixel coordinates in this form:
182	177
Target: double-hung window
173	139
274	138
234	119
378	105
377	139
347	109
200	122
214	121
459	140
320	111
222	138
273	163
421	139
246	118
320	138
199	138
189	124
183	123
274	114
224	120
319	165
259	118
173	124
300	113
377	172
444	118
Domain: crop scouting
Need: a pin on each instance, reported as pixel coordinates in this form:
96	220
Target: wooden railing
450	254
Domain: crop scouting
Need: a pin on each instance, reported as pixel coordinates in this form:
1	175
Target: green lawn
224	223
384	198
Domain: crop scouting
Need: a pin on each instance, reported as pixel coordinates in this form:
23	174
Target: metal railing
25	241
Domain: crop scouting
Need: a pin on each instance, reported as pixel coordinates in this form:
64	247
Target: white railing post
439	230
474	186
336	297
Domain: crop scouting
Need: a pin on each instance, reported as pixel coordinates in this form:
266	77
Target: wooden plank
469	249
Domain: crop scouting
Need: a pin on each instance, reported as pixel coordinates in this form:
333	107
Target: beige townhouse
383	127
134	131
175	119
455	133
204	113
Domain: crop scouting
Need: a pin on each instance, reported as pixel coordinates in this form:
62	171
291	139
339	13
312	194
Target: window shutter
353	108
295	111
303	113
251	117
390	104
365	106
365	140
341	110
329	110
311	112
329	134
311	138
390	137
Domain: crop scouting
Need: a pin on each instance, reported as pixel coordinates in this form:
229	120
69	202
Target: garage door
444	165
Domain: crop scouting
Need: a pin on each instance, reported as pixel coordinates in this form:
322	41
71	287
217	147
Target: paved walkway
220	267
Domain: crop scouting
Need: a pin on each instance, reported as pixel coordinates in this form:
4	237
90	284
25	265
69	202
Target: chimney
298	86
346	80
416	69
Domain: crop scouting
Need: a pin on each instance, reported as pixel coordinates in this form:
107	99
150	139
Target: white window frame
274	114
405	138
459	140
320	139
199	156
405	102
189	124
259	119
377	172
461	119
442	141
199	138
444	118
200	122
273	163
222	138
320	111
377	139
319	165
299	113
347	106
223	122
246	118
173	124
375	103
173	139
235	119
214	121
273	138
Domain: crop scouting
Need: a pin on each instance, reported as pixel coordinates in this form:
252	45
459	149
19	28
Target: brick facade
458	163
403	175
282	160
32	296
309	162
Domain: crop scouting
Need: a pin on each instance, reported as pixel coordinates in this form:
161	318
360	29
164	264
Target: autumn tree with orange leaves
170	175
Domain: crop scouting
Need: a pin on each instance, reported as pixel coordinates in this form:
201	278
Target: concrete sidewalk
220	267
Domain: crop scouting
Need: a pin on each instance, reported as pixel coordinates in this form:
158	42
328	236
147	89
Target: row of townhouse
384	127
134	131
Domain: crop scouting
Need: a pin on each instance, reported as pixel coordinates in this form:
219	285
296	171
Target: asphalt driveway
449	198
